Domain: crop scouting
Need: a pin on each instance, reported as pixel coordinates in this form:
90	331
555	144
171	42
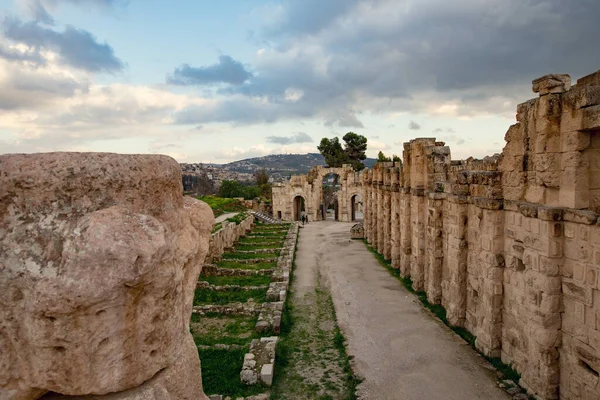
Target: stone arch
310	188
355	207
331	187
299	205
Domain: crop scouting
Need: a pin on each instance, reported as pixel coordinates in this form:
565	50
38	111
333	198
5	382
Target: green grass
204	296
254	280
258	241
222	205
237	219
237	265
440	312
223	329
246	247
249	256
221	373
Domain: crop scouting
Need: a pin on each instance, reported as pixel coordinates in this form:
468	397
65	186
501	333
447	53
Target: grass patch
223	329
265	234
204	296
237	265
259	241
237	219
222	205
247	247
440	312
254	280
221	373
249	256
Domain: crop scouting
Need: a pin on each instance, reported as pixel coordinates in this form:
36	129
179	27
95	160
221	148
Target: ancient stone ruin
99	259
509	245
307	191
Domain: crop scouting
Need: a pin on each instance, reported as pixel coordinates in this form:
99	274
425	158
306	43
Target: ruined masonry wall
310	188
508	245
226	236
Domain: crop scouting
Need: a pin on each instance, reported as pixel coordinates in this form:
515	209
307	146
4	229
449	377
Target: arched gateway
311	194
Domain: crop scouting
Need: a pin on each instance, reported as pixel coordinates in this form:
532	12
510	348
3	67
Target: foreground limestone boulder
99	257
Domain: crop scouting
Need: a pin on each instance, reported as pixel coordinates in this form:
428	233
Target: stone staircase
266	218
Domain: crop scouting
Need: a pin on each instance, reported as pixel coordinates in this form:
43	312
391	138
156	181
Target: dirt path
315	366
400	350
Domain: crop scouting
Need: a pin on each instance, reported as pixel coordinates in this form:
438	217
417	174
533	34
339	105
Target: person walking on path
303	218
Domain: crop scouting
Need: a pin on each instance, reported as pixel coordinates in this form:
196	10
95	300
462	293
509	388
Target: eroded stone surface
99	255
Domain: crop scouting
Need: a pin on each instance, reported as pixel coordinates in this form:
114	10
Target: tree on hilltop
382	157
353	151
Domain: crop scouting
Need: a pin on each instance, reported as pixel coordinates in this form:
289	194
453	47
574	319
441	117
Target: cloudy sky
216	81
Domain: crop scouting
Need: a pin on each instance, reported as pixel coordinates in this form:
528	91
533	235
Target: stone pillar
380	216
434	247
367	205
454	287
491	275
395	220
417	209
387	218
541	262
405	232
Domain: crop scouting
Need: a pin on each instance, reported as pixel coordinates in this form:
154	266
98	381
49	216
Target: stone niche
99	258
508	245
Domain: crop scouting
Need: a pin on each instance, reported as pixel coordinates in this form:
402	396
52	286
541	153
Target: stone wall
510	244
99	258
310	188
225	237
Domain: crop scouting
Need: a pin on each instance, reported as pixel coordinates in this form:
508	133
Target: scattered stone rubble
97	281
357	231
259	362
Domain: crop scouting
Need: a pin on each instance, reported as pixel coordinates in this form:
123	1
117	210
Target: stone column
395	224
387	218
454	288
491	275
417	210
405	232
434	247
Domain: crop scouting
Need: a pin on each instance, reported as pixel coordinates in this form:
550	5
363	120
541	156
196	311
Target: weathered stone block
553	83
97	287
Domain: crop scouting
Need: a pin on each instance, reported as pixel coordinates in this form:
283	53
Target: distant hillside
285	164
